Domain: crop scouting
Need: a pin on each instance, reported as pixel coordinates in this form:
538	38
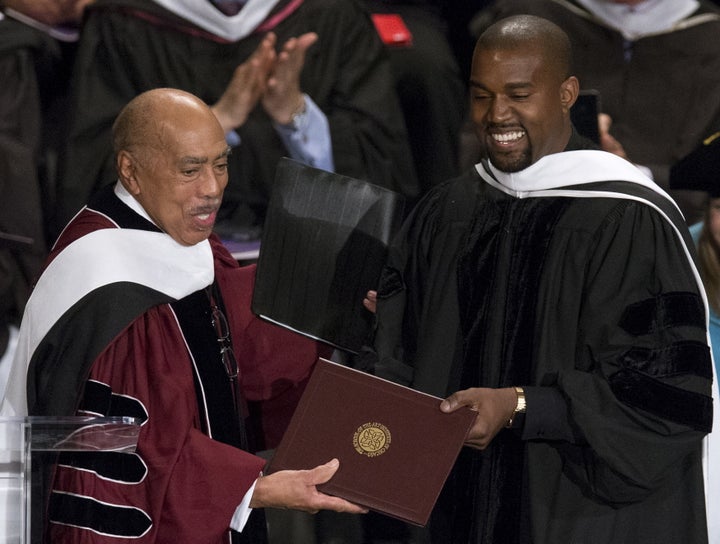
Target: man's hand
247	86
370	301
283	96
607	141
297	489
494	408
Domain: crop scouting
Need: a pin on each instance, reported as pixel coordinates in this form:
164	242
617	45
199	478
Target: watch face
297	121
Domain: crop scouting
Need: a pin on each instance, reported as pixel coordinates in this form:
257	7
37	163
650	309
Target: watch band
297	119
520	407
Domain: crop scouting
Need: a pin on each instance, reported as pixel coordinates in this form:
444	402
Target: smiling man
141	312
631	51
552	290
519	107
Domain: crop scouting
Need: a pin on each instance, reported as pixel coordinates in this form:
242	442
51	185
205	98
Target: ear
569	90
127	168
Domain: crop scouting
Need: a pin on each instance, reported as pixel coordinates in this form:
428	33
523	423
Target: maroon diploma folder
394	444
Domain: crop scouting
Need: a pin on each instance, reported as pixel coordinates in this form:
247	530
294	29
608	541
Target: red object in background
392	29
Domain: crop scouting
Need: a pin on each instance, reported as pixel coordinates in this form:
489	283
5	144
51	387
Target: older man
140	311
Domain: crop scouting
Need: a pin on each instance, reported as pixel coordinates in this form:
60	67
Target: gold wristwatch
520	407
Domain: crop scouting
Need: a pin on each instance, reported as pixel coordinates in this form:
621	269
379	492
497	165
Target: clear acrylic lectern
25	441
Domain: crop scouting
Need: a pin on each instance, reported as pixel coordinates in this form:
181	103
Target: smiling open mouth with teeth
204	220
508	137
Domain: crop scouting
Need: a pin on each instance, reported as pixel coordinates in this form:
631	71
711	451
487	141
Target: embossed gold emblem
372	439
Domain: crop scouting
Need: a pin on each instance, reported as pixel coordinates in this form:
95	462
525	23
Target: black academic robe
131	46
590	302
24	52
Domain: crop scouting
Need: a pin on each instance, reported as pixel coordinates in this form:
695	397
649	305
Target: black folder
323	246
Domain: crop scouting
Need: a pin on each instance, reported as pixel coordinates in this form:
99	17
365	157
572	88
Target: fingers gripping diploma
494	408
297	489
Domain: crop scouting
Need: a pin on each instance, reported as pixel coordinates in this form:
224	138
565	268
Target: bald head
528	31
143	123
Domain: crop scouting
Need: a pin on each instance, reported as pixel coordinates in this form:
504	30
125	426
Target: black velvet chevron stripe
667	310
98	398
685	357
646	393
127	468
106	519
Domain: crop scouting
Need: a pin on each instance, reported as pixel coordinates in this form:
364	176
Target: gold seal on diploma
372	439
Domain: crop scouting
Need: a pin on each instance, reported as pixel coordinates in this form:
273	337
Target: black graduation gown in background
346	73
25	55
